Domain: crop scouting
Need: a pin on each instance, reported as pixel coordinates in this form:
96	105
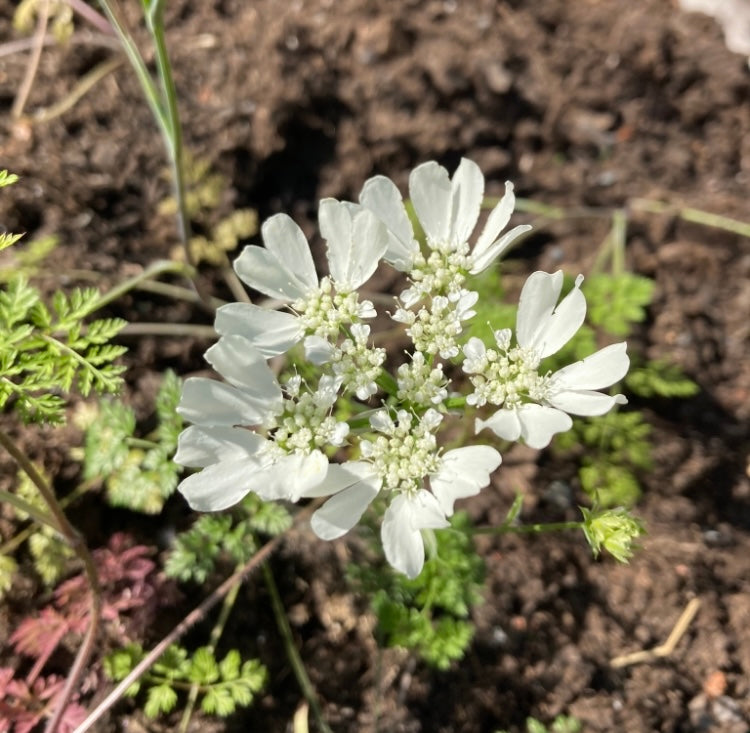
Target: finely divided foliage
276	437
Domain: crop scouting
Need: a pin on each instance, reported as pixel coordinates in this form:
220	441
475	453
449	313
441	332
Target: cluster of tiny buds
324	311
357	364
405	452
305	422
443	272
503	377
420	383
435	329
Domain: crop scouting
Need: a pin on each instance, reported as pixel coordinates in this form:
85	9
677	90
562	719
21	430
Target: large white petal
235	358
271	332
463	472
208	402
287	242
261	270
562	323
430	192
291	477
585	402
601	369
219	486
538	299
336	226
400	531
200	446
504	423
539	423
496	221
480	261
343	510
381	196
342	476
369	243
467	191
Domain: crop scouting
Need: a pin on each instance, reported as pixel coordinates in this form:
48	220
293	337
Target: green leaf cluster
45	351
223	685
232	536
429	614
616	302
138	473
660	379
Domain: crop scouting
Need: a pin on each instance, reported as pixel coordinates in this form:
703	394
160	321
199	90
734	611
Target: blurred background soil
592	103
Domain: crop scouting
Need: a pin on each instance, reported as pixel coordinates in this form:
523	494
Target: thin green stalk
155	22
697	216
527	528
169	329
21	505
155	269
76	542
293	655
216	632
139	66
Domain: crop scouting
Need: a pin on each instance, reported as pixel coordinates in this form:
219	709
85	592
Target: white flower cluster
251	433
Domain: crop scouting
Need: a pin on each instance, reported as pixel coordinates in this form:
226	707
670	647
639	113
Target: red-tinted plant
131	591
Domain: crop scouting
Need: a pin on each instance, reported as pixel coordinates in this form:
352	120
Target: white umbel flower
536	406
284	269
285	463
448	211
401	460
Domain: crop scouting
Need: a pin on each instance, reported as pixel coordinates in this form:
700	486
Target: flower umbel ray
535	406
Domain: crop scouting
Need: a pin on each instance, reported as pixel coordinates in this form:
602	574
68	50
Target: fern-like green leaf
660	379
160	699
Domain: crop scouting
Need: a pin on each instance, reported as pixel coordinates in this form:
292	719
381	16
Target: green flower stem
213	640
154	12
139	66
76	542
455	403
293	655
528	528
387	383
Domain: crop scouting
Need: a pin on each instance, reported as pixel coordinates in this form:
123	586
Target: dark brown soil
581	104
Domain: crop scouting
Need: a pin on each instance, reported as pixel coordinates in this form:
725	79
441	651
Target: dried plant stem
79	90
665	649
24	90
169	329
697	216
298	666
196	615
74	539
